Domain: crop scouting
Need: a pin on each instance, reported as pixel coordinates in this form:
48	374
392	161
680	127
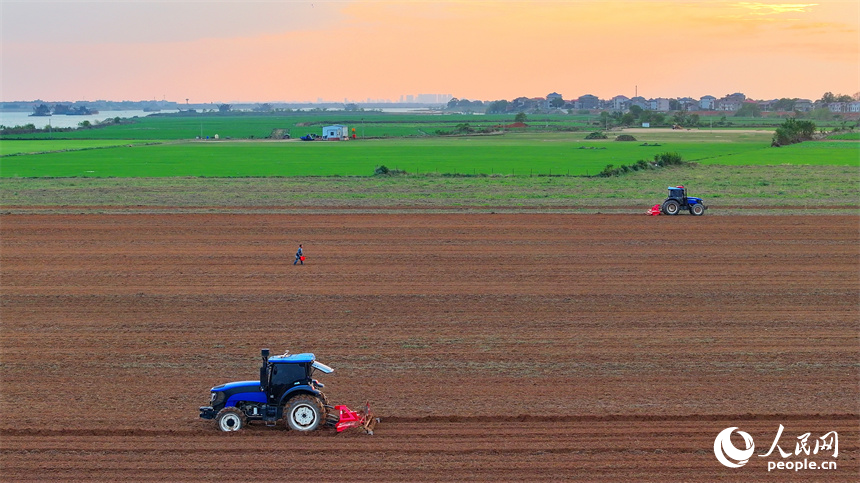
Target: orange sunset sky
268	51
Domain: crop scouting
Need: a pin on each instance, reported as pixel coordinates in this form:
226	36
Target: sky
350	51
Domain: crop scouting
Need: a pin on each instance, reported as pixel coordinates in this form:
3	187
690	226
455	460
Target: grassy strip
717	184
12	148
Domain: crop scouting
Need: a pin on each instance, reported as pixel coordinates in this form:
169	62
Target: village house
640	102
707	103
588	101
803	105
619	103
550	97
660	104
837	107
688	104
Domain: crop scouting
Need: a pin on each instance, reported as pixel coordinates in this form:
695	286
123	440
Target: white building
706	103
620	103
336	132
660	104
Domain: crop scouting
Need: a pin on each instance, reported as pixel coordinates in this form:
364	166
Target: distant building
588	101
803	105
660	104
620	103
641	102
838	107
550	97
336	132
688	104
767	106
706	103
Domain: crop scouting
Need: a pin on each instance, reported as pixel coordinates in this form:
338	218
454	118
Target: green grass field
367	124
510	154
154	163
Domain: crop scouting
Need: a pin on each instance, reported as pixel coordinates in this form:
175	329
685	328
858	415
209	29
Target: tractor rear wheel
230	419
304	413
698	209
671	207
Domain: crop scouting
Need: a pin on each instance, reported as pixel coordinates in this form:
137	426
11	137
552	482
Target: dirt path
494	346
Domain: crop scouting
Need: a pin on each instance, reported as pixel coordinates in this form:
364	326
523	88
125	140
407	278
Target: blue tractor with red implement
286	390
678	200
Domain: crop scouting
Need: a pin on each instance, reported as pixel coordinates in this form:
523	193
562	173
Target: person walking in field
300	257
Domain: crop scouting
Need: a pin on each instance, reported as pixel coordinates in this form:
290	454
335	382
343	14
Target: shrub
792	131
384	171
660	161
596	135
625	137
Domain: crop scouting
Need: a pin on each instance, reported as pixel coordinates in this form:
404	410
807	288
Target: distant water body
10	119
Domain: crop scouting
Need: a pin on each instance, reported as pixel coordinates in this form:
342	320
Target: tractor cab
678	193
282	375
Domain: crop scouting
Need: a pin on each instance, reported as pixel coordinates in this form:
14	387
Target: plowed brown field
493	346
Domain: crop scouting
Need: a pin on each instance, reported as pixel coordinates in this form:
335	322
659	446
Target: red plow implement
355	419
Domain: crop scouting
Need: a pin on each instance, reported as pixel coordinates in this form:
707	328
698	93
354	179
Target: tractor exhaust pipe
264	373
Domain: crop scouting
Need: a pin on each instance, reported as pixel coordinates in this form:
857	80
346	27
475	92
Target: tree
636	111
452	103
497	107
556	102
224	108
605	120
749	109
674	105
464	128
521	117
821	114
628	118
827	98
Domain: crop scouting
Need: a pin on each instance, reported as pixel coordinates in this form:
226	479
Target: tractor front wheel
304	413
230	419
698	209
671	207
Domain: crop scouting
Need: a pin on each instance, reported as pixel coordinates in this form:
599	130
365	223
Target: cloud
759	8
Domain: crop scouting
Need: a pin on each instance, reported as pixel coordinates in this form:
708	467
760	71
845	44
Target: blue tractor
678	200
286	390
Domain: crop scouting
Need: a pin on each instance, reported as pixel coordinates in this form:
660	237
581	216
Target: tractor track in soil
493	346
